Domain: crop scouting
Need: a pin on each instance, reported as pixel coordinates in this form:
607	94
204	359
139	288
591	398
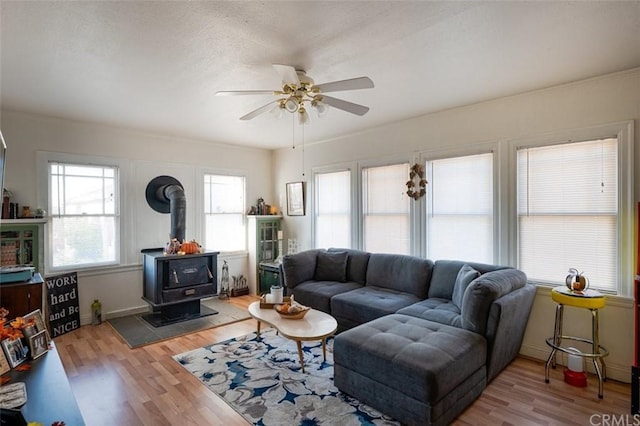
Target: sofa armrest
508	319
298	268
483	291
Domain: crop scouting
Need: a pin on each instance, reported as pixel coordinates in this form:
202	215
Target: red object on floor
575	378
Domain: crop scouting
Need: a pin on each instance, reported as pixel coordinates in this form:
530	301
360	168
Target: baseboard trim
128	311
87	318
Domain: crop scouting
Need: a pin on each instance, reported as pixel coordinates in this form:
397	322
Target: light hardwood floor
115	385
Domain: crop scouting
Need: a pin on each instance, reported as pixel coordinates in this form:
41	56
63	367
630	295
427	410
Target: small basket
297	315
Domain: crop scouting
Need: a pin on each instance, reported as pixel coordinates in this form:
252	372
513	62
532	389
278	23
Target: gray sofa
418	340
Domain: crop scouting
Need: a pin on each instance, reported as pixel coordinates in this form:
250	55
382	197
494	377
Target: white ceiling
155	66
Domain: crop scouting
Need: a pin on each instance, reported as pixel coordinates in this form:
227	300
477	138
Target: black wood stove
175	283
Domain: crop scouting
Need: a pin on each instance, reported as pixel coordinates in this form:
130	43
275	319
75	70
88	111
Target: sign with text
62	300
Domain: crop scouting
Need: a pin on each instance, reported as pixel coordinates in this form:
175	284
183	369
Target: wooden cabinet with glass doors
20	244
263	246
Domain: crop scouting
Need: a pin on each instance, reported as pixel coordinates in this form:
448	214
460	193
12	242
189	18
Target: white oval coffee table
316	325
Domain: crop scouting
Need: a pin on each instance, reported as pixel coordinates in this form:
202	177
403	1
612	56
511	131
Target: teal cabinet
268	276
263	247
19	244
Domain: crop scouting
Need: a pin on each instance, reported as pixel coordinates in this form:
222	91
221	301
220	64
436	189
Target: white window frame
199	204
481	149
623	131
313	190
414	237
43	160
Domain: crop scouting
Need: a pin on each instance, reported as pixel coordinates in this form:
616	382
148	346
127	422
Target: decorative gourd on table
190	247
576	281
173	246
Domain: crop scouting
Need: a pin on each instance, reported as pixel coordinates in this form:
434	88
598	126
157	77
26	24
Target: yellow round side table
588	299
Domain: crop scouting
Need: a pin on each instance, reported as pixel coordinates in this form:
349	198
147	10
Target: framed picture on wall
295	199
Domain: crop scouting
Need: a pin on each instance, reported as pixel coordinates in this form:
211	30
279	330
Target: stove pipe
166	195
178	209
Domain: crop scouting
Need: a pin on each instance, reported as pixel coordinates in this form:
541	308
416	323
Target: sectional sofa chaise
418	340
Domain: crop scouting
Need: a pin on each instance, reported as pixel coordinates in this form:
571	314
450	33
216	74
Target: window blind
568	211
386	209
224	205
460	208
333	209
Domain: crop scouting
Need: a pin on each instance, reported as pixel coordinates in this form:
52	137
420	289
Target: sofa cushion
406	274
443	311
331	266
422	359
357	263
464	278
318	294
445	273
483	291
368	303
300	267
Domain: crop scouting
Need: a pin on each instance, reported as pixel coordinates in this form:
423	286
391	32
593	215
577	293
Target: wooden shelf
23	221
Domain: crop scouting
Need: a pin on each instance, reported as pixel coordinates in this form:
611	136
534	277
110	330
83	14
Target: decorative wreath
414	192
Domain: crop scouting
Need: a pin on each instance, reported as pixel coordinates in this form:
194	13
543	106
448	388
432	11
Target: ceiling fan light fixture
291	104
322	109
304	116
278	110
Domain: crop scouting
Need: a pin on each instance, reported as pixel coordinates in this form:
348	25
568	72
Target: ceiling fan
298	88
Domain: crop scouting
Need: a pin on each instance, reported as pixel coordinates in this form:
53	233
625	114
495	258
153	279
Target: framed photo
39	343
39	324
295	199
15	351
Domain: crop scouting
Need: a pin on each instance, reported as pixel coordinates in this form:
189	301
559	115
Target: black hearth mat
157	319
138	332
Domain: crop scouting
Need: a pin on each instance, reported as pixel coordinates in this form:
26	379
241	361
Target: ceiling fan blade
261	110
246	92
345	105
350	84
288	74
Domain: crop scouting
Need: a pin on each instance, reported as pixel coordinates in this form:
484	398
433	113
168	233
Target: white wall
144	157
602	100
596	101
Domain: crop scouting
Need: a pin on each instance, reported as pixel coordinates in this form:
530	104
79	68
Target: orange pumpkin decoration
190	247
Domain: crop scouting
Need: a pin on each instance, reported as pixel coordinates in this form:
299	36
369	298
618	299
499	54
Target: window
84	204
385	209
224	206
333	209
568	211
460	208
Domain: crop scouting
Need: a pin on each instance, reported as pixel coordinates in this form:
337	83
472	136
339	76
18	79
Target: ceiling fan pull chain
303	150
293	132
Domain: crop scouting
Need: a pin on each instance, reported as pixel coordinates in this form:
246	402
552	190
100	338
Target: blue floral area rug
262	380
